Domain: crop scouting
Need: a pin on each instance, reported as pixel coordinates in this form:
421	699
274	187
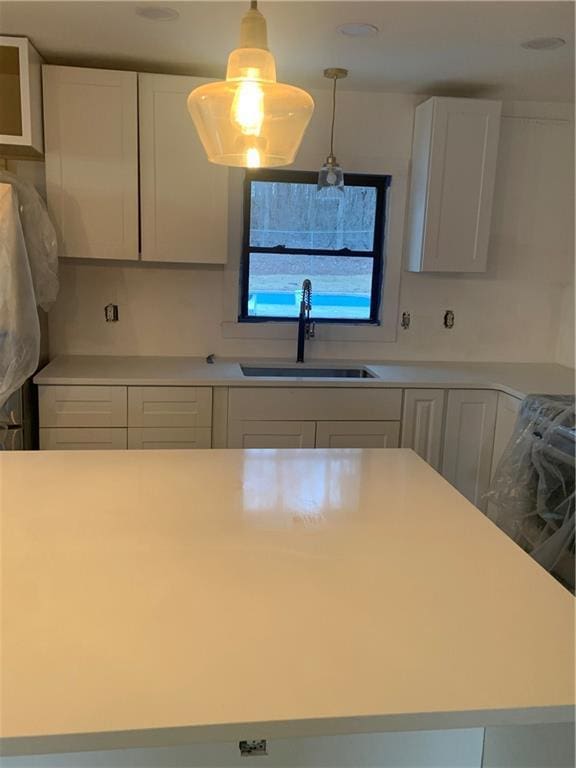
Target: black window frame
380	182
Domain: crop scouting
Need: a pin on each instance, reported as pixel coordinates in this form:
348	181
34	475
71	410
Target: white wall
520	310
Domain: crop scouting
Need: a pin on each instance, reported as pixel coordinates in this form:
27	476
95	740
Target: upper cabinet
454	154
21	98
125	168
183	197
91	138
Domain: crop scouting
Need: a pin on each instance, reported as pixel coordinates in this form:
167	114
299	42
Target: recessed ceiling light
157	12
357	29
544	43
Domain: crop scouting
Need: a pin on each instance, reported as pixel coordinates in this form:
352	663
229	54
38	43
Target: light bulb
248	108
331	177
252	158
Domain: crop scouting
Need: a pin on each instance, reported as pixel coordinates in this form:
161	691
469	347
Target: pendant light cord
333	119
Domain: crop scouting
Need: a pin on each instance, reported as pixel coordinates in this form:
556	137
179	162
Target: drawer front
82	439
271	434
169	437
357	434
315	404
82	406
169	406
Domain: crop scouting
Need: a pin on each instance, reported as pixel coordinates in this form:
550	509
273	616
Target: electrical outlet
111	313
405	321
448	319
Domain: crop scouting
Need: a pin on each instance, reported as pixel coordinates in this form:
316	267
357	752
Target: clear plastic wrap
28	278
532	497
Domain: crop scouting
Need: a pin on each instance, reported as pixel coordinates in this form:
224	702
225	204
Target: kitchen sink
309	373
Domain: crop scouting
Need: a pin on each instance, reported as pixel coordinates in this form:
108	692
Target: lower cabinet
508	410
357	434
169	437
312	434
82	438
469	440
271	434
422	423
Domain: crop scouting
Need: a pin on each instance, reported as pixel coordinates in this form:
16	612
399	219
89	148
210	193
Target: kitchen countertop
517	379
162	597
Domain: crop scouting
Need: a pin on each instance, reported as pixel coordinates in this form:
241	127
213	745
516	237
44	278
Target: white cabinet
357	434
507	413
21	130
468	441
91	141
82	438
271	434
305	417
454	154
76	417
169	437
169	406
82	406
422	422
183	197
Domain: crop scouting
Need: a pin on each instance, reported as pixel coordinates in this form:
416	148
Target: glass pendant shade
331	175
250	120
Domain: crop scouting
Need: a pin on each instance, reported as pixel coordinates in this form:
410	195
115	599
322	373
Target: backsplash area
521	309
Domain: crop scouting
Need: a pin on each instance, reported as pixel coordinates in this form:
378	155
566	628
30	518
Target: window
292	231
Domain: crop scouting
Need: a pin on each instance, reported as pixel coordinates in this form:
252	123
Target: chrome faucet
305	326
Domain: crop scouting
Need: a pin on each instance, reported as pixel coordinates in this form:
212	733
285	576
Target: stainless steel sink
297	372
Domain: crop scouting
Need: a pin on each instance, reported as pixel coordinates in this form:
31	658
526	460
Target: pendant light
250	120
331	175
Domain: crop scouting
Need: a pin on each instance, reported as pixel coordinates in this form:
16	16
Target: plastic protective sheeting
532	497
28	278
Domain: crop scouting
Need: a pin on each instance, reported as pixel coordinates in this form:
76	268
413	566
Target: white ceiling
458	47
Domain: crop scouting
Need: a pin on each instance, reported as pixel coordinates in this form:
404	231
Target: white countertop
518	379
161	597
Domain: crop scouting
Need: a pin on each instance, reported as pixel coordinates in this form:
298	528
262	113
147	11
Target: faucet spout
305	328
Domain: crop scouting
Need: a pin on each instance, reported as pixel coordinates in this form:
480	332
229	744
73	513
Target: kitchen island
153	598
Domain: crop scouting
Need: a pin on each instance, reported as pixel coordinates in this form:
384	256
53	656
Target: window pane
341	285
300	216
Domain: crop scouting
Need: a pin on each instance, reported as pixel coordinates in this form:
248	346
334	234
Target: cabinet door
82	439
183	197
357	434
169	406
454	157
422	420
468	441
21	98
508	409
169	437
82	406
91	149
271	434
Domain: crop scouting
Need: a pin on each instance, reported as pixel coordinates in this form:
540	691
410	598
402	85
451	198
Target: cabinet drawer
357	434
315	404
82	438
82	406
170	406
271	434
169	437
